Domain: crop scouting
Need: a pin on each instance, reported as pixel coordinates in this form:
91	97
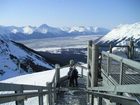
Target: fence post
92	99
89	60
130	49
49	98
94	68
20	102
40	97
99	100
57	74
121	73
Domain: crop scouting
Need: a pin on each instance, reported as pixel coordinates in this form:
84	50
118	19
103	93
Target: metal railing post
130	49
20	102
92	99
100	101
89	60
49	98
121	73
57	74
94	68
40	97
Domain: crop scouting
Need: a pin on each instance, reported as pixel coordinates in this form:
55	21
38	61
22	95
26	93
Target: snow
121	35
28	30
14	31
78	29
40	78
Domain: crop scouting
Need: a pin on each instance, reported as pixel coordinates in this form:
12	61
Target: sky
59	13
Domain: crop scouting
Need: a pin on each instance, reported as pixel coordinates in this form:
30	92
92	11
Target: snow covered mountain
16	59
121	34
45	31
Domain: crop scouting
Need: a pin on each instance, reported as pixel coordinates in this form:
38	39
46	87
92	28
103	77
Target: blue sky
103	13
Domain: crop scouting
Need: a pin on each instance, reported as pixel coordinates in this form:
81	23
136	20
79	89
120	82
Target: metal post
20	102
108	64
100	101
57	75
121	73
49	98
131	49
92	99
89	60
40	97
94	68
121	78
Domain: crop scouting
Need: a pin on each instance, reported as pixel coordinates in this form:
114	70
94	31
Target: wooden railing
57	80
120	76
20	93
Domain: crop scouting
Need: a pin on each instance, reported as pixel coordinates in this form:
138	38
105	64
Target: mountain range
45	31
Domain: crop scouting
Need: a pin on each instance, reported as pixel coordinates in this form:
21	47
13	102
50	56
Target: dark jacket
73	73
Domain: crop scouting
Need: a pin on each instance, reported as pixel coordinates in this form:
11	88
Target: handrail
129	62
9	87
4	98
115	98
119	88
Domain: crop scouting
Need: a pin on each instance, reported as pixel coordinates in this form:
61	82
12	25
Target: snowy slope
17	61
45	31
40	78
122	33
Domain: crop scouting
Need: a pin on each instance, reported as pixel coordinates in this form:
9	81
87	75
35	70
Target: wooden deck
72	95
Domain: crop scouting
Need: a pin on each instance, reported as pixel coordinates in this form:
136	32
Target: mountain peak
43	26
28	29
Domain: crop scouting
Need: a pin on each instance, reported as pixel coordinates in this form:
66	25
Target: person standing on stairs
72	74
